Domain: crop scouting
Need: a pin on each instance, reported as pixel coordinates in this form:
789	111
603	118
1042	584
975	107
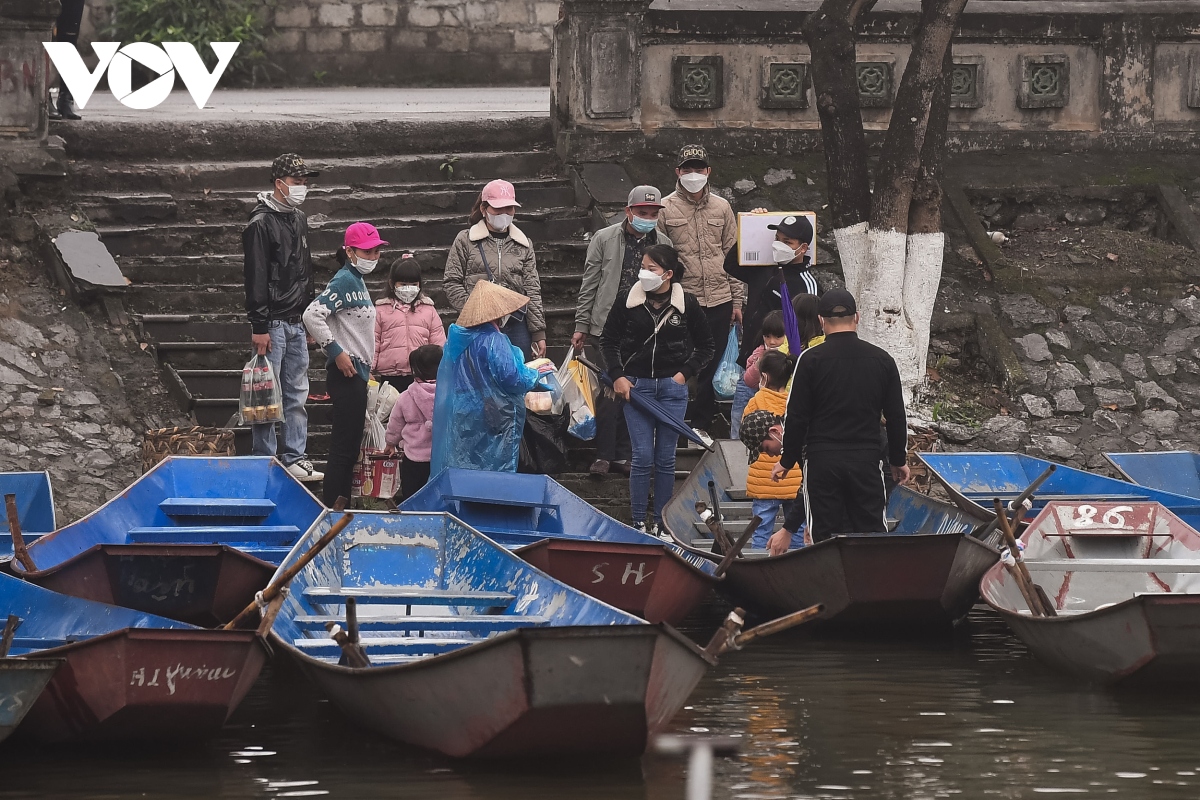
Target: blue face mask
643	225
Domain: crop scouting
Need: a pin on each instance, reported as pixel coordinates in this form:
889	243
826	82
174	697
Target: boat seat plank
409	595
217	507
32	643
1158	565
215	534
399	645
454	622
1070	498
528	501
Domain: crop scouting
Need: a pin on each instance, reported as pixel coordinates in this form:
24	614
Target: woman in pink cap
342	321
494	249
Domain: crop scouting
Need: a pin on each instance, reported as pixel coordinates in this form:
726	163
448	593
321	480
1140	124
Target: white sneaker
303	471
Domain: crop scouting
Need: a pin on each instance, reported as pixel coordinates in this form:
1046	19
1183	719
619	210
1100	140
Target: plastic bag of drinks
261	398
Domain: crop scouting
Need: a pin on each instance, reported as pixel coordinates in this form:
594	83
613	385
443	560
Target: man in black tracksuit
839	391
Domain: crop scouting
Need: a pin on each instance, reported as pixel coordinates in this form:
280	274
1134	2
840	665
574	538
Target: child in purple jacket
410	426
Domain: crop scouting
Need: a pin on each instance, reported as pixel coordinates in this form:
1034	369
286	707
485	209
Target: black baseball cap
794	227
290	165
756	426
837	303
692	152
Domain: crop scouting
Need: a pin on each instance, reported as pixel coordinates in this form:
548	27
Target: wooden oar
736	550
731	637
1018	570
1015	525
10	630
714	527
14	528
353	654
988	529
273	589
715	506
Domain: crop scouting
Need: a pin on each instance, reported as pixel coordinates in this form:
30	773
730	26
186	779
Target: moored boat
474	652
35	507
126	675
924	573
21	682
1124	581
973	480
1175	471
249	503
561	534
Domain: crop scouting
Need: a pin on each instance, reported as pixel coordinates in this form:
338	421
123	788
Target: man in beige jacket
703	228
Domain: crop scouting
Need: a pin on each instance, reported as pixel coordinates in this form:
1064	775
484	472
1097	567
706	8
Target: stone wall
1072	75
400	42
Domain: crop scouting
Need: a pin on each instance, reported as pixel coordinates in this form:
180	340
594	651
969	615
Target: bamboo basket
194	441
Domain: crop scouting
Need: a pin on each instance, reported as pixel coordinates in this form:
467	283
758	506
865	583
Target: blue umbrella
650	406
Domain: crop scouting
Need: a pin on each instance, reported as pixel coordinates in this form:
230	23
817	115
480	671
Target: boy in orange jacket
768	497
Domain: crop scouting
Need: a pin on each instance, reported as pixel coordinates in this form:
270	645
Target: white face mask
693	181
782	253
296	195
364	266
649	281
499	222
406	294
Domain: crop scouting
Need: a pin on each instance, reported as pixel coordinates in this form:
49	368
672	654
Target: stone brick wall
401	42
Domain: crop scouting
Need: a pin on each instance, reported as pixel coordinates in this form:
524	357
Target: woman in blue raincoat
479	408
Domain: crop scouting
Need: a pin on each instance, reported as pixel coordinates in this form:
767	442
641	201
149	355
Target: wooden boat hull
664	583
205	585
145	685
649	580
868	581
21	681
591	690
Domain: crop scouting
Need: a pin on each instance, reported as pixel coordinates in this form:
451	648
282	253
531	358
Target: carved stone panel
611	77
697	82
966	82
875	83
784	83
1045	81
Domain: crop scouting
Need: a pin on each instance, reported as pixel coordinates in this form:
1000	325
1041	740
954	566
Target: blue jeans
741	397
654	445
289	358
766	510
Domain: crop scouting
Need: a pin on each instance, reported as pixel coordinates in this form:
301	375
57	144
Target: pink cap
500	194
363	236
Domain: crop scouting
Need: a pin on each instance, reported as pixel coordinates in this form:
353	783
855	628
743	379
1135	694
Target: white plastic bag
261	399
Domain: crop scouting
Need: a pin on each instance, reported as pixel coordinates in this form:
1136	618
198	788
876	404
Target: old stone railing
25	145
733	74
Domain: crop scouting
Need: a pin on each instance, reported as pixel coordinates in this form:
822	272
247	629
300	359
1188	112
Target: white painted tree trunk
894	278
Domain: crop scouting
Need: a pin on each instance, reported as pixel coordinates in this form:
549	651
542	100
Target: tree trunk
830	33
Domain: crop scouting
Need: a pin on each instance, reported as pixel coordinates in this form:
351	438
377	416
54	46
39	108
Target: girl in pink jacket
410	426
405	319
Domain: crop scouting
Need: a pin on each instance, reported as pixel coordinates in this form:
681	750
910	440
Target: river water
973	716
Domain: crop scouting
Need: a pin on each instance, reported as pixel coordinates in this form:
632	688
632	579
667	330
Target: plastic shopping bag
728	373
580	396
380	399
375	475
261	399
547	395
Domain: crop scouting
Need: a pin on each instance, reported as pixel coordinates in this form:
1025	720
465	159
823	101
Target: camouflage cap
692	152
756	426
290	165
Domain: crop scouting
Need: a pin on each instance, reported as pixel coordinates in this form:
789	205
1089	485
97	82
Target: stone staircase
174	227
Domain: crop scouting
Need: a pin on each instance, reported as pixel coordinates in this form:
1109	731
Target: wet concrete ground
972	716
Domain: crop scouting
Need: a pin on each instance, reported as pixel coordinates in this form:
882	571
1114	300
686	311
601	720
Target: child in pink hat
342	321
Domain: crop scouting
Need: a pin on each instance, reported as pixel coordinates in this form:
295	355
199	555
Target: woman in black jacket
654	340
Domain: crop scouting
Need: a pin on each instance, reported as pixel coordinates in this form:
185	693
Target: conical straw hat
489	301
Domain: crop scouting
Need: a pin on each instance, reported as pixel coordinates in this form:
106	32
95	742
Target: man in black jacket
279	286
839	390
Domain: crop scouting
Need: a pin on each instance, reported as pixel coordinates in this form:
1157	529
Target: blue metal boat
974	479
126	674
21	682
1175	471
924	573
35	506
248	503
474	652
560	533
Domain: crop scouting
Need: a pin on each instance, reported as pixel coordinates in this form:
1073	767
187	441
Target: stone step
564	256
420	230
115	207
